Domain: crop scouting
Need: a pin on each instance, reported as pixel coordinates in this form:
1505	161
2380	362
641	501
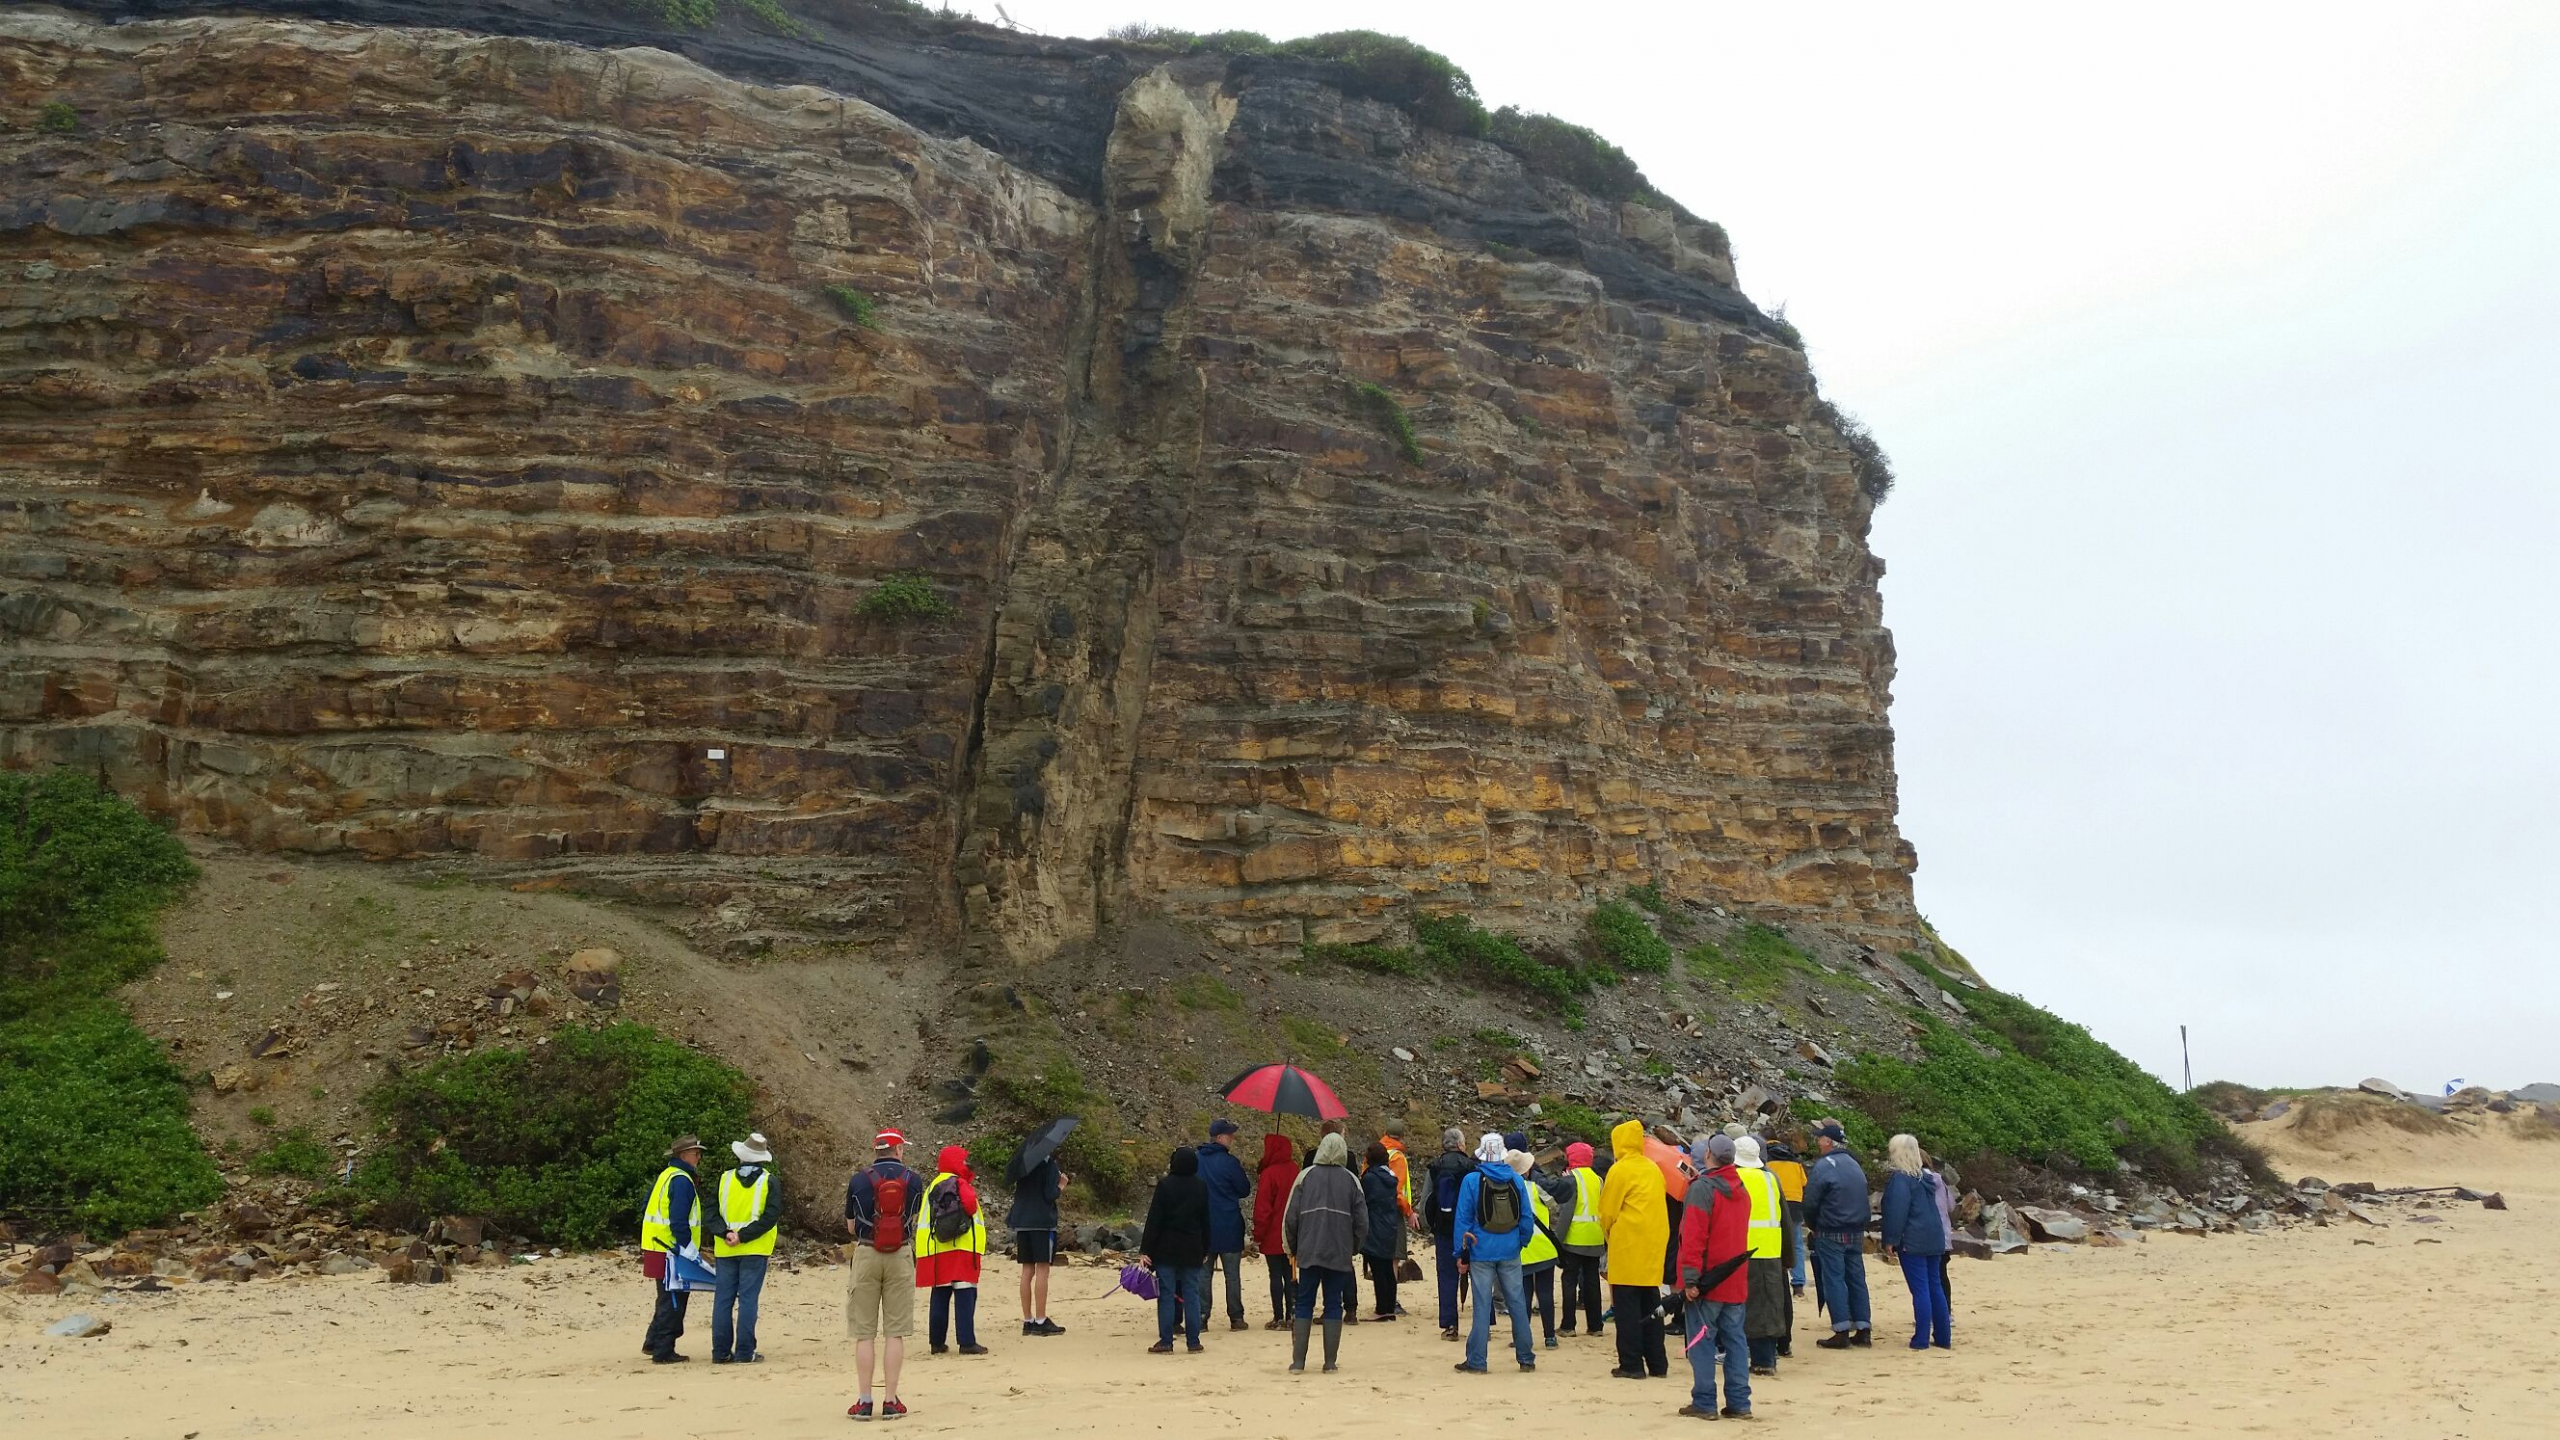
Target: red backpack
889	1230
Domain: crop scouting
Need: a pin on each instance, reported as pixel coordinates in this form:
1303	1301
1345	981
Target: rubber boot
1332	1343
1298	1342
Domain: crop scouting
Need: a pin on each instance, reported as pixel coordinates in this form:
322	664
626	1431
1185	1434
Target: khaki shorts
880	1294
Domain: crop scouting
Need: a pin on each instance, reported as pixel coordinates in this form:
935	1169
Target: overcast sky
2218	350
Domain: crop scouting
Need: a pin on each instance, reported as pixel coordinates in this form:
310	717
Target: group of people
1710	1242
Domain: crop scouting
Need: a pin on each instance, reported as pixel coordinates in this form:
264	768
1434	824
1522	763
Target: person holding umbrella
1033	1218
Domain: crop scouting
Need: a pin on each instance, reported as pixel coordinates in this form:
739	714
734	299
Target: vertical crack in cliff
1055	739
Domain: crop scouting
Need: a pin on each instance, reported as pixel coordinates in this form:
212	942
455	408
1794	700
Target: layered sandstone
420	443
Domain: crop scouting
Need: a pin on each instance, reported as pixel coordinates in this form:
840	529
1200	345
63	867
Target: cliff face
419	443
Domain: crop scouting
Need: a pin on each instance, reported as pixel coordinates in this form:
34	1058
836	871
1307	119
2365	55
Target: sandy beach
2430	1329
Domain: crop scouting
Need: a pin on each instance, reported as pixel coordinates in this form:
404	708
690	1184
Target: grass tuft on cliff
555	1142
95	1136
1626	941
1576	155
702	14
855	306
1867	459
904	599
1374	402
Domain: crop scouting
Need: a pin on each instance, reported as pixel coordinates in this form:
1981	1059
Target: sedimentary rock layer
421	443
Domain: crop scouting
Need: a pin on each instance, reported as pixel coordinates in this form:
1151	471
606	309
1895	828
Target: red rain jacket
1719	1232
1277	1173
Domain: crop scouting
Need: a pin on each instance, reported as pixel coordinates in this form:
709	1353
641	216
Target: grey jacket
1327	1219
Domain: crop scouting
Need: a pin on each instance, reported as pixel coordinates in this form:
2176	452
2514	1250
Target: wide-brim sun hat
754	1150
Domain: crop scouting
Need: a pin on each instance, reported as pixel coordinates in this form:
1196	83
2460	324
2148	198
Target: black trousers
1541	1295
1582	1287
1278	1265
666	1322
1382	1279
1639	1314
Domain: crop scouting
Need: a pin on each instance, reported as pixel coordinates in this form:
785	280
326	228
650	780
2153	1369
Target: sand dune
2436	1329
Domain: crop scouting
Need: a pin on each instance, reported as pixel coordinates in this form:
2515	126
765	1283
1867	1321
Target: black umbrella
1044	1142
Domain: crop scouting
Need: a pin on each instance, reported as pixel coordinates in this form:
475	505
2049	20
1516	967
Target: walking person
1033	1219
1715	1281
951	1246
1449	1171
1538	1247
1632	1216
1835	1210
1770	1312
1326	1225
1175	1245
1491	1222
1915	1237
1383	1243
1231	1195
881	1204
671	1226
1787	1167
1273	1179
750	1208
1582	1244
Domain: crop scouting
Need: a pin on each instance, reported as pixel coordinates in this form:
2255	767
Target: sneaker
1862	1338
1616	1373
1764	1369
1528	1364
721	1360
859	1409
1050	1327
965	1350
1449	1334
1551	1342
1030	1327
1919	1344
1350	1319
1567	1330
1694	1413
940	1349
1161	1347
1330	1367
893	1409
1836	1340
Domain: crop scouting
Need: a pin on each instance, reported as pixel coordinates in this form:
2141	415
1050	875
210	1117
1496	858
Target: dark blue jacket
1835	1195
1229	1190
862	1197
680	1193
1911	1222
1035	1199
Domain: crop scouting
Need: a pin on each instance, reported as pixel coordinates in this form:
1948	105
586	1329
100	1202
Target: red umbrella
1285	1090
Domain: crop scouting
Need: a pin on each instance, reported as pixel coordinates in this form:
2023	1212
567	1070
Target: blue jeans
1840	1265
1498	1282
1715	1332
738	1278
1795	1276
1334	1286
1184	1288
1927	1277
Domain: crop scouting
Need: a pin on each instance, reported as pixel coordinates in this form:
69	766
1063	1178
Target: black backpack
950	1221
1498	1208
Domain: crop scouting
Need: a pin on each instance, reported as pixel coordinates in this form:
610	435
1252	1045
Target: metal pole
2185	1065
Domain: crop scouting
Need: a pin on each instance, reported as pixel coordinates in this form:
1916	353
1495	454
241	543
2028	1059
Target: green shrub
1202	991
1624	938
855	306
560	1142
261	1116
95	1133
699	14
1649	895
1572	1121
2026	1084
1867	459
1378	405
1574	154
1785	328
1423	83
296	1152
58	118
1754	963
1453	944
902	598
1030	1091
1375	958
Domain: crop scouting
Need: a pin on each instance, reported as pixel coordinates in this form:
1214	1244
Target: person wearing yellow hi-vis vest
742	1244
951	1245
1769	1314
1582	1242
670	1226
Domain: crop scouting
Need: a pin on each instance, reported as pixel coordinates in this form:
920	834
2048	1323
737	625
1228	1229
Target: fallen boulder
2053	1225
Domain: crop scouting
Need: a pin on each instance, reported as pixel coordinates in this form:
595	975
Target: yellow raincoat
1633	1212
